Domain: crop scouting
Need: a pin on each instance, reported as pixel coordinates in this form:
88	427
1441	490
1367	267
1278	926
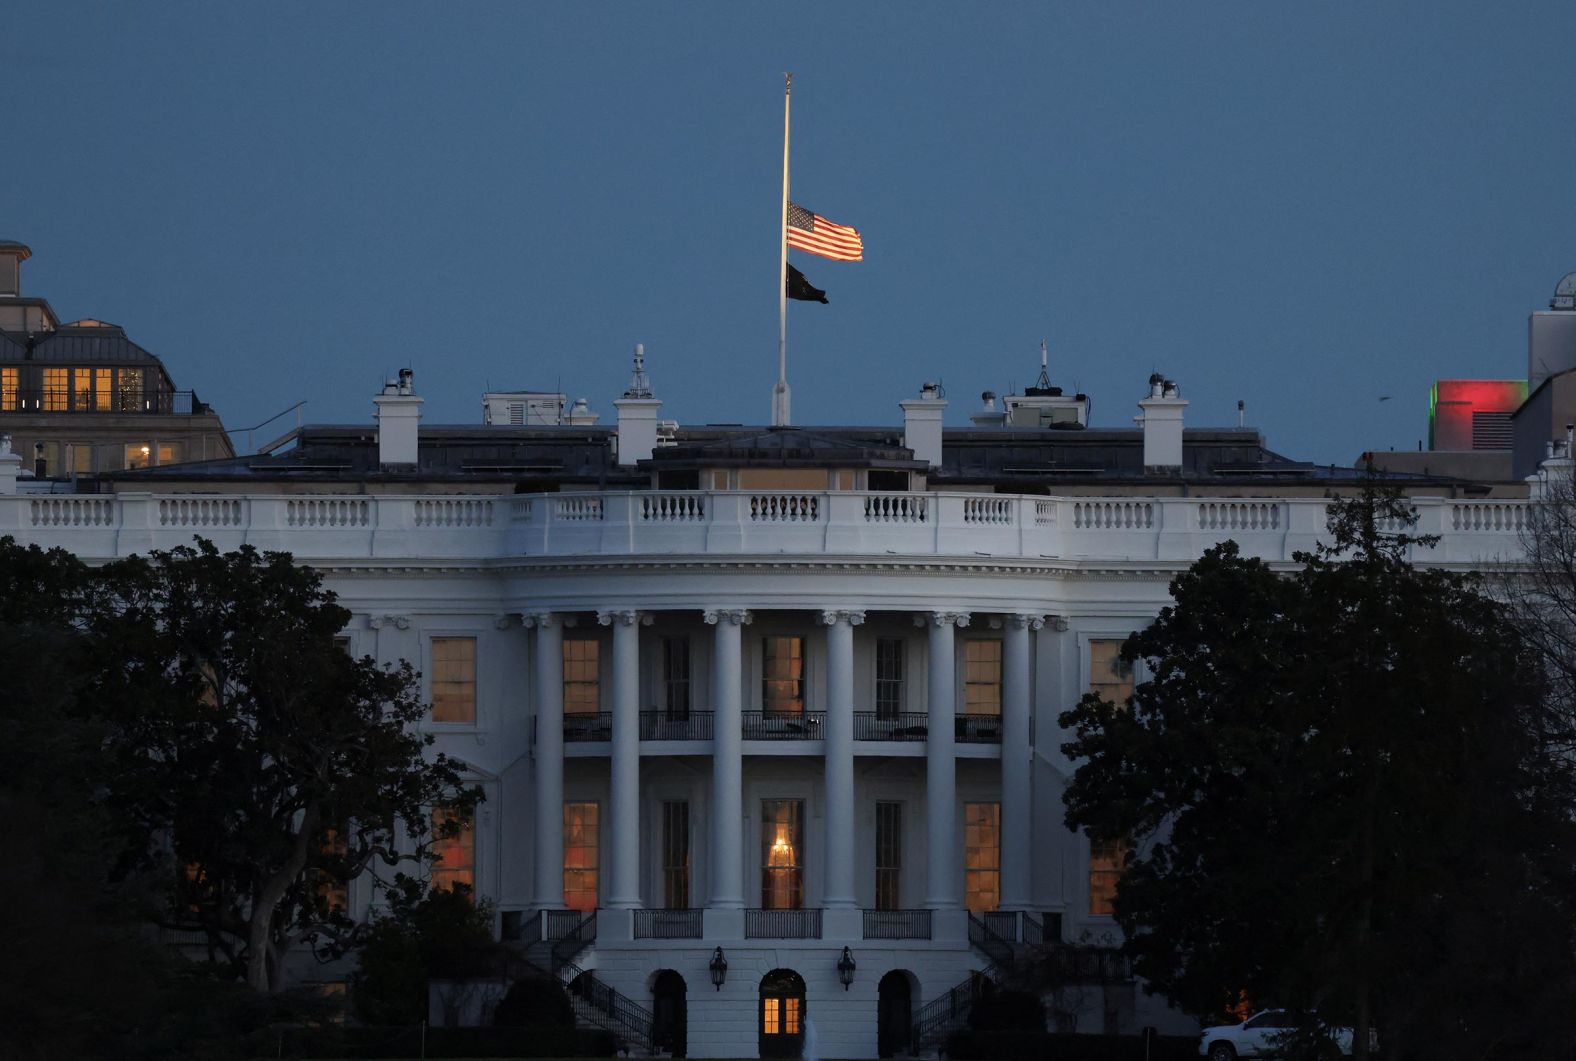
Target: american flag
814	233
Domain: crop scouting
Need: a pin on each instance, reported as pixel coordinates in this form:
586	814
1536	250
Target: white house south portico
766	719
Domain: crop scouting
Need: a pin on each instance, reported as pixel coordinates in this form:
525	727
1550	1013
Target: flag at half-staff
801	289
808	231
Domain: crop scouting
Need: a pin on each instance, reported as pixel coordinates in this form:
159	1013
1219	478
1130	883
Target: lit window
782	874
57	390
1112	679
889	677
454	679
791	1006
582	678
581	832
10	388
782	676
1109	675
981	856
334	893
139	454
982	678
889	855
675	855
103	389
771	1016
1106	859
128	397
456	853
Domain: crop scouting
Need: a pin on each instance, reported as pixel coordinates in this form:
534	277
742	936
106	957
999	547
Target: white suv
1261	1035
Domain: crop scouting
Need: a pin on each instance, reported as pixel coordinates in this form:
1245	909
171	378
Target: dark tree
267	764
1338	799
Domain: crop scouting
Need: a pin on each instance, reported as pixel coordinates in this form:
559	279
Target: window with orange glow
982	677
791	1015
782	675
457	853
582	829
771	1016
1106	859
1109	675
103	389
582	677
57	390
782	872
334	892
10	387
981	856
454	679
128	396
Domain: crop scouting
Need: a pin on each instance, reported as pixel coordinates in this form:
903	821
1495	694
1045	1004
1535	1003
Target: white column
838	887
727	785
941	783
549	760
624	889
1016	800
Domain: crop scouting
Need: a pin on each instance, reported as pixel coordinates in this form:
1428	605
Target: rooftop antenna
640	384
1241	412
1045	361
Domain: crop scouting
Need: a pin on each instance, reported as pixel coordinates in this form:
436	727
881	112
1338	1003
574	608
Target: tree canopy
1336	797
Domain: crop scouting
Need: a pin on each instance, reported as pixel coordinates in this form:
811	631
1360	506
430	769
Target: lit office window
982	677
981	856
582	677
582	829
782	676
456	853
782	872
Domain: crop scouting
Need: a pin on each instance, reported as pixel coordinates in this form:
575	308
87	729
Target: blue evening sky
1306	207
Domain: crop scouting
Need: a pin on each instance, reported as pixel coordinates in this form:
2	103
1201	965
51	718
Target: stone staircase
548	943
1021	955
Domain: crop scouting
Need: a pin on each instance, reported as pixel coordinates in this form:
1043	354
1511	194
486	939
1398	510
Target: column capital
736	616
1022	621
506	619
398	622
1057	623
623	617
958	619
545	620
832	617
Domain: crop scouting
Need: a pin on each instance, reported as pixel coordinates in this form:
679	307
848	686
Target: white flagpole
780	415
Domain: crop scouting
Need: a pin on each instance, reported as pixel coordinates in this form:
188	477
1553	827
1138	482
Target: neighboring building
771	711
81	398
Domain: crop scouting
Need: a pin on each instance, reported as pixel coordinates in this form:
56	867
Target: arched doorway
669	1012
782	1014
894	1013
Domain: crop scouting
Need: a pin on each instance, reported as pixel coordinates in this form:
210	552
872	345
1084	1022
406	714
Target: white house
766	718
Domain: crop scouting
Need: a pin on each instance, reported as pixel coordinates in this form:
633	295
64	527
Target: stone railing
354	528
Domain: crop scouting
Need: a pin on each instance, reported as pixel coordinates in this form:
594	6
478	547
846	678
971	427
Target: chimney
398	416
922	424
12	255
10	466
637	415
1162	423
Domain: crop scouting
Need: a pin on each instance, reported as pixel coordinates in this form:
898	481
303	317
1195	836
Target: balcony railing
770	725
668	924
897	924
905	725
978	729
665	725
782	924
597	726
1085	529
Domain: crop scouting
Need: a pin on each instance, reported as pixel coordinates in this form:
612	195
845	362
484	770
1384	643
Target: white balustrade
1113	515
785	508
73	512
698	523
1240	515
327	512
896	508
201	512
673	508
454	512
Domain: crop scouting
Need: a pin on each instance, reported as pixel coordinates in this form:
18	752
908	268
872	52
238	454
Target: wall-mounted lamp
845	969
719	968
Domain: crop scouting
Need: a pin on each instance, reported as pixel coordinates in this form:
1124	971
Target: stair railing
607	1008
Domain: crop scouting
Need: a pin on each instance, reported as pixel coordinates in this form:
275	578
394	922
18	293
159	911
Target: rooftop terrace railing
974	527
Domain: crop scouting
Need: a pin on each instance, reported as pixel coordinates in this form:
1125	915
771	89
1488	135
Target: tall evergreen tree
1337	798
